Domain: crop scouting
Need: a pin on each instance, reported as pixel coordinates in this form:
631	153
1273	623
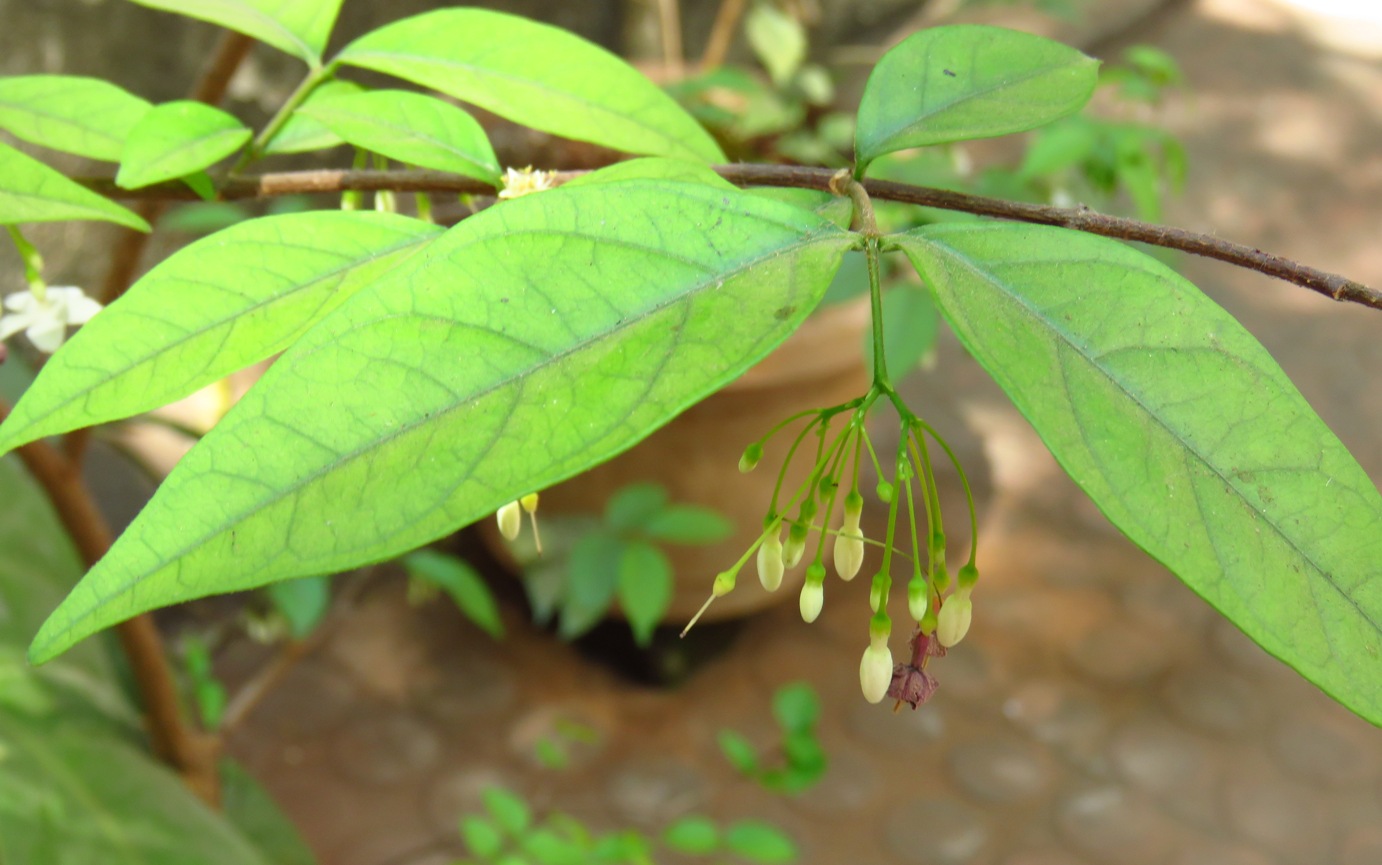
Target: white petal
81	310
47	335
20	301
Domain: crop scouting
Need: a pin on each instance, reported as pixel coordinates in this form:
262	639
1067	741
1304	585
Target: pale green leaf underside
219	305
536	75
297	27
32	192
86	116
1183	430
175	139
410	127
70	793
968	81
301	133
531	341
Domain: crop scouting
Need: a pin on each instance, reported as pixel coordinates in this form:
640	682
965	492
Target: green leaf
481	837
534	340
302	602
632	506
410	127
301	133
645	588
777	38
796	707
38	565
804	754
909	329
549	848
297	27
653	168
177	138
592	578
688	524
249	807
258	286
536	75
1183	431
695	836
508	809
208	693
87	116
459	580
32	192
73	793
759	842
738	751
967	81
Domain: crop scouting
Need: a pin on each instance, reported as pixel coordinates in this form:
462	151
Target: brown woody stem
1077	218
194	755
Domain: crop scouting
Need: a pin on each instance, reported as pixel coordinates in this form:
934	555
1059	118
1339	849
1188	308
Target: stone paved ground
1098	712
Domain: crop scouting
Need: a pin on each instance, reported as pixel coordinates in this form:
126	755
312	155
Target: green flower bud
723	585
927	623
918	598
795	548
953	622
941	578
967	577
752	454
770	566
885	492
876	589
510	519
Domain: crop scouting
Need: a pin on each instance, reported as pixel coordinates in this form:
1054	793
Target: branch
1077	218
193	755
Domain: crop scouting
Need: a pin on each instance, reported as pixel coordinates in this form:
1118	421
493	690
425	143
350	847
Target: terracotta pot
696	457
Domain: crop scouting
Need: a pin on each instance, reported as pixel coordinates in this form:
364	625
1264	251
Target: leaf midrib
1066	339
719	276
222	322
971	95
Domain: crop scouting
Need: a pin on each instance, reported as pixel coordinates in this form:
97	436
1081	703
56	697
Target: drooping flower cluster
941	611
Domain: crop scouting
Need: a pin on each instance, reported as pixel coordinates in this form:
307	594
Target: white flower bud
849	555
876	670
812	599
953	622
770	565
510	518
918	599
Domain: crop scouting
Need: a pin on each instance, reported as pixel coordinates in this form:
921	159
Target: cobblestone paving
1098	712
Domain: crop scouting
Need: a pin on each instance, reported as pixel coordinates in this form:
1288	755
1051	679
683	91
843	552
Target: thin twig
722	34
192	754
268	677
669	23
1077	218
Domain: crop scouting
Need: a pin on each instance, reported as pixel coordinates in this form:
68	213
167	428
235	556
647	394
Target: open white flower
45	321
520	182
